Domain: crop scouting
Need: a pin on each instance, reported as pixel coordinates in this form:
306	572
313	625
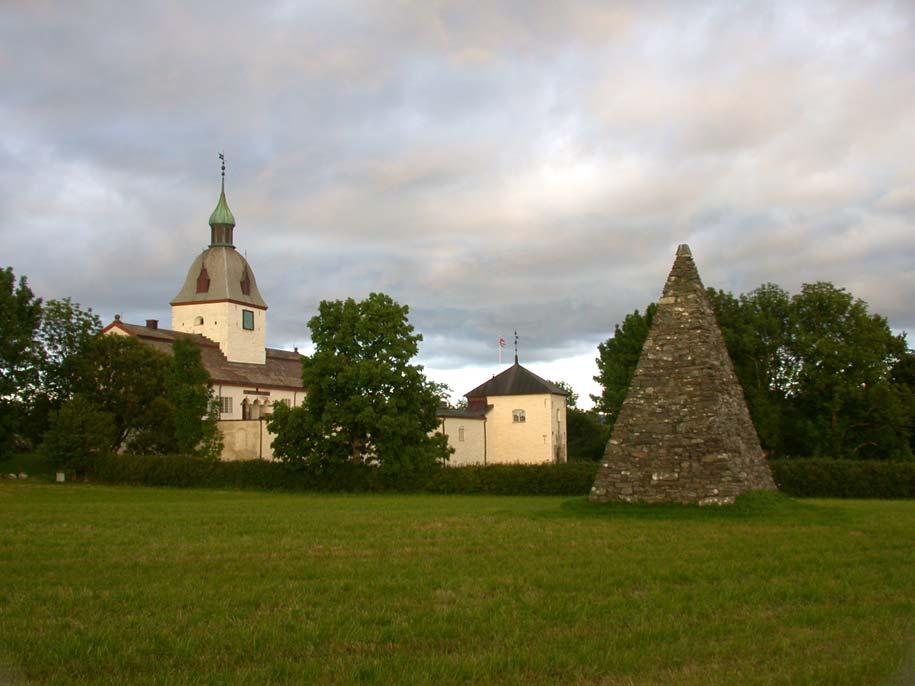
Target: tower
219	298
684	432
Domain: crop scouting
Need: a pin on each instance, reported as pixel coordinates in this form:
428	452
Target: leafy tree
20	313
365	402
587	434
571	396
123	377
756	332
78	432
64	332
840	380
617	360
188	390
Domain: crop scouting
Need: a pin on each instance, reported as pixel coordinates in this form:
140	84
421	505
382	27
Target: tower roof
222	215
220	273
516	380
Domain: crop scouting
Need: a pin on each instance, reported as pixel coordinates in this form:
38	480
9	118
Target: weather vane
516	346
222	158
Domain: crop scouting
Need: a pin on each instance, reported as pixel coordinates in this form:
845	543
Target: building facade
514	418
221	310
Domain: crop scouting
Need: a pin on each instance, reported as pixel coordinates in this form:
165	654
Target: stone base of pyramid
684	432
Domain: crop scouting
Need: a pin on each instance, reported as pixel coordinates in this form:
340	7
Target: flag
501	342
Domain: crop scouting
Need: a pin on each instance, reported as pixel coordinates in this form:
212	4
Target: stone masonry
684	433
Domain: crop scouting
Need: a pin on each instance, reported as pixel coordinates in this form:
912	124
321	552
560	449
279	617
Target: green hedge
799	477
817	478
177	470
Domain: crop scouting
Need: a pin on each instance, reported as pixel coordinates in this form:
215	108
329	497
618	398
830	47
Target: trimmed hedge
799	477
817	478
574	478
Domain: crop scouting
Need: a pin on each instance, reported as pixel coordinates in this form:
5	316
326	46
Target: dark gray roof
282	368
226	269
516	380
473	412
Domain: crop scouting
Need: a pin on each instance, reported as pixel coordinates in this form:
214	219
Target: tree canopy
822	376
20	315
365	401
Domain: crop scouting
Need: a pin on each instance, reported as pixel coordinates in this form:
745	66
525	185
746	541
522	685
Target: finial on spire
516	347
222	223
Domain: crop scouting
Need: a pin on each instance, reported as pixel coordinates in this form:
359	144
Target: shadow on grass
756	505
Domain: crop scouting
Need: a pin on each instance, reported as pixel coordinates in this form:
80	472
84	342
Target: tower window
518	416
203	281
247	320
461	433
198	321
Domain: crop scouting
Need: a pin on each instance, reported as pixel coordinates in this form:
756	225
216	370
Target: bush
817	478
78	434
800	478
180	470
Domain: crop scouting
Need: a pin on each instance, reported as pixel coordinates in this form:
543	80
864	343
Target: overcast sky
495	166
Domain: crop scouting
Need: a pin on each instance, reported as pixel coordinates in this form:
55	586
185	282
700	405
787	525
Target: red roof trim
223	300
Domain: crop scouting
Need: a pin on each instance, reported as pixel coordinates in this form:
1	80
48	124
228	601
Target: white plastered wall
222	323
471	450
527	442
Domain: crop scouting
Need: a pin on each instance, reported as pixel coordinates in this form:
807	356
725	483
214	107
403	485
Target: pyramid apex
683	249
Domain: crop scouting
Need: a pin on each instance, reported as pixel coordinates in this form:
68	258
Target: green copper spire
221	221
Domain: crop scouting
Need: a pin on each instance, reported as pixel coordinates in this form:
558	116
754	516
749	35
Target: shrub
77	435
180	470
820	478
799	478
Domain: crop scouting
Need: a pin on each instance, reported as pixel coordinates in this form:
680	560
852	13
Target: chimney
152	323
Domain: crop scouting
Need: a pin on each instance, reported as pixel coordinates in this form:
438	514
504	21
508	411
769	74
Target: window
225	405
247	320
461	433
558	417
518	416
198	321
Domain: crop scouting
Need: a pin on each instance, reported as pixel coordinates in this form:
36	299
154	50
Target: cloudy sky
496	166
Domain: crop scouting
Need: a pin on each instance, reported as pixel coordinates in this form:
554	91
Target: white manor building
515	417
220	308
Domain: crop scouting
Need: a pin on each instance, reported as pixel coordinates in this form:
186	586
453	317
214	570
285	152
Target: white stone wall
246	440
222	323
471	449
264	402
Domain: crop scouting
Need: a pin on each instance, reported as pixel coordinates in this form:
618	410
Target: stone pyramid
684	432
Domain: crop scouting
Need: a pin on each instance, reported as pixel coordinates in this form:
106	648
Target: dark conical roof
516	380
684	432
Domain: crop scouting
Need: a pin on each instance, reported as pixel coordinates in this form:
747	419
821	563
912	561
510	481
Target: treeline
822	376
77	394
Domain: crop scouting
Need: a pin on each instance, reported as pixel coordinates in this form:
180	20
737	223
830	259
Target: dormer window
247	320
203	281
246	283
518	416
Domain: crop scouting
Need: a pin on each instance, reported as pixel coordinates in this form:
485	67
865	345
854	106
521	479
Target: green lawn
157	586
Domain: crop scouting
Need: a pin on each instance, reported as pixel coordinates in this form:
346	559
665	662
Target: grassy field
156	586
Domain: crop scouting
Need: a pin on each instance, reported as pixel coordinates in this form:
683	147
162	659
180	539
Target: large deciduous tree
20	314
365	401
822	376
65	330
187	388
125	378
